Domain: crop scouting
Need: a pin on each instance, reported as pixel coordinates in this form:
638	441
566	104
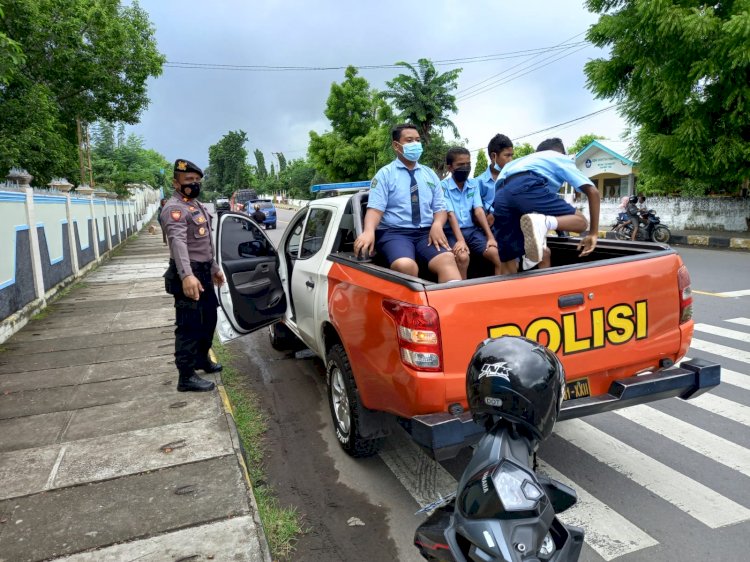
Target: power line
557	126
518	74
441	62
581	118
564	44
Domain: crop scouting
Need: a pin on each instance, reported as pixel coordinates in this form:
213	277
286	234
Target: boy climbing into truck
464	203
527	205
406	213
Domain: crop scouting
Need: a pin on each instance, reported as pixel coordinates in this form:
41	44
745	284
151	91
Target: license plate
577	389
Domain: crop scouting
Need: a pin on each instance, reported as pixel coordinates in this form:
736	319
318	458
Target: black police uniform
188	227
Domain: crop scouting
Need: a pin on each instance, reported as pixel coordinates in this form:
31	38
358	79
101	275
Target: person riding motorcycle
634	215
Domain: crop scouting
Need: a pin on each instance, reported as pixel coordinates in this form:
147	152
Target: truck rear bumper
444	435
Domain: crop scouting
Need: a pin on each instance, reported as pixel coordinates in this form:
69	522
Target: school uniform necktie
416	218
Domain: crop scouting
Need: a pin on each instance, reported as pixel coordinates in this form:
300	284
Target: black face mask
190	190
460	175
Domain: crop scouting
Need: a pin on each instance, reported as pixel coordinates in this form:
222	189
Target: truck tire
343	398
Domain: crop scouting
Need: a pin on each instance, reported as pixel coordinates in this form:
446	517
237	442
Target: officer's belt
200	266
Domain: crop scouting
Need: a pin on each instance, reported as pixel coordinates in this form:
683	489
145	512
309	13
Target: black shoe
209	367
190	382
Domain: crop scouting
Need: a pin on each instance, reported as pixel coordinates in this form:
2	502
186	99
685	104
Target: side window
241	239
315	232
293	242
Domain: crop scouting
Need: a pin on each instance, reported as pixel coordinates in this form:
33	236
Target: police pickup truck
620	320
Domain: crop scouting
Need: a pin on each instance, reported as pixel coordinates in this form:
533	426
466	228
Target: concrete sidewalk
100	457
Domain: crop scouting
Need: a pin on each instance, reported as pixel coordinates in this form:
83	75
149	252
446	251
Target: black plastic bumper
444	435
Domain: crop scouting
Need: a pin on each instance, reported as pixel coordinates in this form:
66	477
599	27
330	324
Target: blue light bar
345	186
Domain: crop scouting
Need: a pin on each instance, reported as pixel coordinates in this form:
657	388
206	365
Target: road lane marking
729	294
424	478
723	332
740	321
697	292
721	350
606	531
699	440
706	505
722	407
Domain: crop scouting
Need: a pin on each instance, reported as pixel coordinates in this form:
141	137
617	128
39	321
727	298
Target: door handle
567	301
310	284
263	268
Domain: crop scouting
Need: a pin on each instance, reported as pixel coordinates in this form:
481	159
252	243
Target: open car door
253	295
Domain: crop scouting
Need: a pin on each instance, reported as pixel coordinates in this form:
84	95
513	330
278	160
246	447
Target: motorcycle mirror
561	497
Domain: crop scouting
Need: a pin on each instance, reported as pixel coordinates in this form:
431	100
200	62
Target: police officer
190	278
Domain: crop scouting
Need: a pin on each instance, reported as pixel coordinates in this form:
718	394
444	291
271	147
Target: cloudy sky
520	90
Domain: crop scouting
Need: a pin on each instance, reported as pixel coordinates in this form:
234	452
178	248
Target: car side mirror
251	249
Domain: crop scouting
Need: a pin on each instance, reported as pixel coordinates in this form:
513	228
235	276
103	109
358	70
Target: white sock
550	222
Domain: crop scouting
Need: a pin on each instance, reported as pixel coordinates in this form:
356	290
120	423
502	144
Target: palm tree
424	97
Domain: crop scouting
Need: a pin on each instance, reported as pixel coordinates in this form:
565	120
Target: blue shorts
520	194
395	243
474	238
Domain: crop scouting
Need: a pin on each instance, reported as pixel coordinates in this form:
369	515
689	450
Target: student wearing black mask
469	230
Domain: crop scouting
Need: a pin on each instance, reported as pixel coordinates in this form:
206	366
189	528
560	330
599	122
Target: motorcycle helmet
517	379
633	199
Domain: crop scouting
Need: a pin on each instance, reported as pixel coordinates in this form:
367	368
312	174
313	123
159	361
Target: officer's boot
209	366
190	382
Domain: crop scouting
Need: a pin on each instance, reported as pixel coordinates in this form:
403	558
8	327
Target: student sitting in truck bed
465	206
406	213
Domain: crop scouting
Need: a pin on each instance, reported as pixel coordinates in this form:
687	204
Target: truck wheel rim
340	401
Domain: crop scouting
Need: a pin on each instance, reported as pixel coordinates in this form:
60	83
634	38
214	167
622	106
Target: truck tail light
686	294
418	331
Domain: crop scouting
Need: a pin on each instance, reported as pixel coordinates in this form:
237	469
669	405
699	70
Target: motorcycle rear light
686	294
418	333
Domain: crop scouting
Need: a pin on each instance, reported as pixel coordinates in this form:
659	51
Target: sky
191	109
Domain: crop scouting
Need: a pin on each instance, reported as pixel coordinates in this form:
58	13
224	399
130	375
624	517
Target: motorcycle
502	511
650	228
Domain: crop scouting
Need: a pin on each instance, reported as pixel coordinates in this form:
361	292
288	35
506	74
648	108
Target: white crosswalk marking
721	350
740	321
607	532
707	506
699	440
723	407
723	332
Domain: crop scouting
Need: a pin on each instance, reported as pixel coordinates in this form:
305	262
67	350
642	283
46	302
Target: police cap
185	166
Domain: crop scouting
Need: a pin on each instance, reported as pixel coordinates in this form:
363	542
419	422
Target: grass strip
282	525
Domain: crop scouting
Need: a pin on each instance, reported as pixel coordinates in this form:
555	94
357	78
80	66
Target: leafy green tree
227	160
282	161
482	163
424	97
116	166
272	173
680	71
521	150
11	55
358	144
260	161
582	142
87	59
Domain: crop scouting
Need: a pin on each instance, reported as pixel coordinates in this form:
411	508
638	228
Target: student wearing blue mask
406	213
527	205
500	151
462	197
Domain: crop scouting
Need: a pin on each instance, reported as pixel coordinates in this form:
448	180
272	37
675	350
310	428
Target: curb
242	461
701	240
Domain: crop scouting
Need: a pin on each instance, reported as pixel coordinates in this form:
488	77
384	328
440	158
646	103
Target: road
665	482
